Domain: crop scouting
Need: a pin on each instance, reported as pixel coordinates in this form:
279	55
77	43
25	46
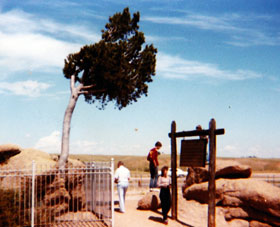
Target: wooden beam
198	133
174	202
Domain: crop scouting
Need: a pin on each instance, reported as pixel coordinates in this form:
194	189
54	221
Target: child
164	195
153	159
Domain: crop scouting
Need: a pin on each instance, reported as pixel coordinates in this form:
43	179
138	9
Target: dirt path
138	218
190	213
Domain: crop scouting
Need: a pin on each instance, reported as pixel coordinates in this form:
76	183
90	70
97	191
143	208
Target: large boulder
232	170
7	151
150	201
249	198
224	169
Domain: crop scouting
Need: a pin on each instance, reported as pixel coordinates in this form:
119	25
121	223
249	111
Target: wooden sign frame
211	134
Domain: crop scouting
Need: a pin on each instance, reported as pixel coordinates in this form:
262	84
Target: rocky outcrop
60	192
232	170
246	199
224	169
7	151
150	201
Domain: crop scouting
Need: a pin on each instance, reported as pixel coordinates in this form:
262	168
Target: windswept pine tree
116	69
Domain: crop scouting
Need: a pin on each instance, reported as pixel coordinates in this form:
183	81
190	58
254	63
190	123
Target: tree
115	69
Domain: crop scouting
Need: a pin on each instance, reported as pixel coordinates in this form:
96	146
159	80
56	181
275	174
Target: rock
249	214
238	223
232	170
59	192
224	169
196	175
246	198
57	198
7	151
258	224
76	216
150	201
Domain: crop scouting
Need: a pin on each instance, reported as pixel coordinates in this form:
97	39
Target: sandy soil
139	218
190	213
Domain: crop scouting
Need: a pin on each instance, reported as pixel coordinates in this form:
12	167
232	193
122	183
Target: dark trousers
154	175
165	199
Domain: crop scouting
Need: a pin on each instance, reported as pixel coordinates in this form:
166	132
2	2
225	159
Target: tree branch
88	87
91	92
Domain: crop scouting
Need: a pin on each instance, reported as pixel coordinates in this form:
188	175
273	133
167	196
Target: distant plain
139	164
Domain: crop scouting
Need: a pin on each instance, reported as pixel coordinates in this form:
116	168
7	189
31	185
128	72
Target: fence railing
48	196
141	181
273	178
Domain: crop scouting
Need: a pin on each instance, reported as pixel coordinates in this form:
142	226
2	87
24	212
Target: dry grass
140	163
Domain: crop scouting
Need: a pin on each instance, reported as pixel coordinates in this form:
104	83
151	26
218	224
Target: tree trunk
67	123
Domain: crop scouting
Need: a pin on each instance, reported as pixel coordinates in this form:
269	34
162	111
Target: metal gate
47	196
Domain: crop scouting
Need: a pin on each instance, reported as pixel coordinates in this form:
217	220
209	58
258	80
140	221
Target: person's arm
159	182
116	176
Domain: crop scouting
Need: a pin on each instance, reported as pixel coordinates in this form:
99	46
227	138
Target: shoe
165	222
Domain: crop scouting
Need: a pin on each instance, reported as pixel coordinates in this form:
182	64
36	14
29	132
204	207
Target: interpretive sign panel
193	153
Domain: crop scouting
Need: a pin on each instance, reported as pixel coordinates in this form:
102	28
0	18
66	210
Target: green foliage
116	68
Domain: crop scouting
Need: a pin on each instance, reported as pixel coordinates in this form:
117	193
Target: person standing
122	176
203	137
164	183
153	165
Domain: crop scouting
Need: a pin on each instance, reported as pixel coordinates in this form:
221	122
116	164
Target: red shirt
154	156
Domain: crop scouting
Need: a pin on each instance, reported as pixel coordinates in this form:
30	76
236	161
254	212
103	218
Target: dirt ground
139	218
190	213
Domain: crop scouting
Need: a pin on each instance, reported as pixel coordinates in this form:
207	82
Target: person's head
198	127
158	145
120	163
164	170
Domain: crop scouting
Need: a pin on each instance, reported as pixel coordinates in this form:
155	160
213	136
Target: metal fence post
112	191
33	192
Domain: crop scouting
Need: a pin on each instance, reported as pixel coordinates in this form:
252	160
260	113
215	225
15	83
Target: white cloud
244	30
196	20
83	147
30	42
50	144
25	51
28	88
175	67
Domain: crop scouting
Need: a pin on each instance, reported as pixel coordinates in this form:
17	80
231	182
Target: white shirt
163	182
122	174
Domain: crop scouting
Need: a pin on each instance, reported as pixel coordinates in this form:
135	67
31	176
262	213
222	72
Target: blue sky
216	59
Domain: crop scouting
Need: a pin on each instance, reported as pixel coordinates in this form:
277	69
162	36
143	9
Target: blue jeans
122	188
154	176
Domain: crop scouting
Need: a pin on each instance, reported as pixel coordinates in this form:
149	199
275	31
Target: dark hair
163	169
120	163
158	144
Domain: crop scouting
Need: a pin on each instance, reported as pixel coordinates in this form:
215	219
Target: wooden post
174	202
212	169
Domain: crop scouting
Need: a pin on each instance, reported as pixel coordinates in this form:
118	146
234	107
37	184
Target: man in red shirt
153	159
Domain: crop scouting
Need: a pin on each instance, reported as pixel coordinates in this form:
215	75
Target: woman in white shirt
164	183
122	176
